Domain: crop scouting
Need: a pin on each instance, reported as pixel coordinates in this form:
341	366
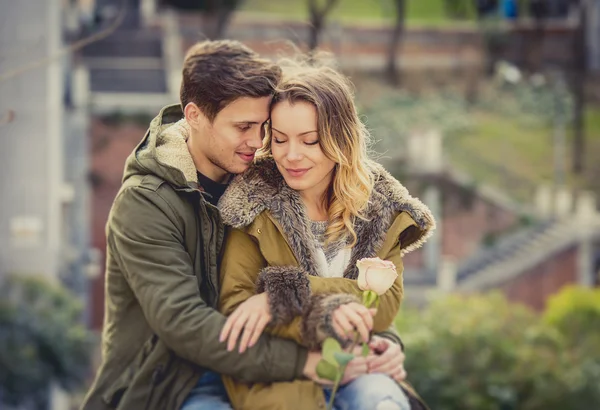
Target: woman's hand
355	368
352	317
388	358
251	317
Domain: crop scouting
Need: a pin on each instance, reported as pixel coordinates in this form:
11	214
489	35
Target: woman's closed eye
281	141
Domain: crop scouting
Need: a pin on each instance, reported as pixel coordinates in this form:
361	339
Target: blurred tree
318	13
42	341
485	8
575	313
392	73
216	14
458	9
579	79
484	353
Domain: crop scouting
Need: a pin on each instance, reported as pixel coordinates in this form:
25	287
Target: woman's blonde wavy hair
342	137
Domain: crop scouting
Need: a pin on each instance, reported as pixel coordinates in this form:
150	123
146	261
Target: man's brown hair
216	73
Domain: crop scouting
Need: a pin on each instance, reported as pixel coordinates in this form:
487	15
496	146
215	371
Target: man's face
231	140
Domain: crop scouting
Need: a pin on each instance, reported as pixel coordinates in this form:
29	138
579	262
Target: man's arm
146	237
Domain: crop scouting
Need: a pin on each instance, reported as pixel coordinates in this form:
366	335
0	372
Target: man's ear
194	116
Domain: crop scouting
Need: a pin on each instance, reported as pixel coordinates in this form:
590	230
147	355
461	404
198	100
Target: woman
311	206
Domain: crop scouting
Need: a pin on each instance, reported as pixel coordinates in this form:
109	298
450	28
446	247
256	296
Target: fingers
249	328
341	324
379	345
260	327
388	368
385	362
353	316
355	368
400	375
229	325
236	329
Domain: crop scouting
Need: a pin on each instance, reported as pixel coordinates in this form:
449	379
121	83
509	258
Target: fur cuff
288	289
318	324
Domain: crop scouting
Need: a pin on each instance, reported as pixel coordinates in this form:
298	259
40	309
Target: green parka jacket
161	328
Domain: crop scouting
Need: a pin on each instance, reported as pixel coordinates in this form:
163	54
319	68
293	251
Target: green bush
482	352
42	340
575	313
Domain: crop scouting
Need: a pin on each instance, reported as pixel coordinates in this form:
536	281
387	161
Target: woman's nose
294	153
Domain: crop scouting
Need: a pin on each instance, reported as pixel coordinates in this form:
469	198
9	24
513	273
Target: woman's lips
297	172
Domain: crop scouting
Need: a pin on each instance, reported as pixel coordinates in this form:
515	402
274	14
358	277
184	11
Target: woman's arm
390	302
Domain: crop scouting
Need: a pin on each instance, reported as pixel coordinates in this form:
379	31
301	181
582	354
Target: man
160	345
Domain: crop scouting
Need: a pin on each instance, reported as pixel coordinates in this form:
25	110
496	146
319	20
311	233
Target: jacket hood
163	152
262	188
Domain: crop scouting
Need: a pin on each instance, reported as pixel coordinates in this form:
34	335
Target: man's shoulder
144	182
140	194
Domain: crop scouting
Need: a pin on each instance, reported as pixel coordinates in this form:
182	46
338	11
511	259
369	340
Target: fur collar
262	188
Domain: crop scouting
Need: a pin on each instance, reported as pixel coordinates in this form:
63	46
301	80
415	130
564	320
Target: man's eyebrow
300	135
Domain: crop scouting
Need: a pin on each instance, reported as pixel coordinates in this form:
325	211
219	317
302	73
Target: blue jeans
370	392
209	394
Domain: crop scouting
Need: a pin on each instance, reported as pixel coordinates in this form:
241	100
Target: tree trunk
317	21
392	69
579	92
216	17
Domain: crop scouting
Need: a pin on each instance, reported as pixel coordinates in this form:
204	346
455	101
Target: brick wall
111	144
533	287
468	222
365	45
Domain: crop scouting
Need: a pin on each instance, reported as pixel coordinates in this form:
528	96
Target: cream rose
376	274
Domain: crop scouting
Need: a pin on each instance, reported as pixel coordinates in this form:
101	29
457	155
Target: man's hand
388	358
353	317
251	317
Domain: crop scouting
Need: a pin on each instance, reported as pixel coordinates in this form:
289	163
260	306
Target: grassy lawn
419	11
515	155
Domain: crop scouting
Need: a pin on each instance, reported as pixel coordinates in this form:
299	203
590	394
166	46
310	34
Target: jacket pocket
113	395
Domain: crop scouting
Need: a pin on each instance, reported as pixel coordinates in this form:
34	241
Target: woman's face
296	149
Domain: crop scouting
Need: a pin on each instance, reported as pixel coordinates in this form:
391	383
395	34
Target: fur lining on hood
172	150
262	188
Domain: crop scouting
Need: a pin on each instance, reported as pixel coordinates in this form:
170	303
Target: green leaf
327	371
343	358
330	347
365	350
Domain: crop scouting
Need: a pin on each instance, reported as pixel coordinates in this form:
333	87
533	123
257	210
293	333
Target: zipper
206	245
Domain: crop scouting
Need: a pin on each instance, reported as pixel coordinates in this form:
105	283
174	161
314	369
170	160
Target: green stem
336	385
340	376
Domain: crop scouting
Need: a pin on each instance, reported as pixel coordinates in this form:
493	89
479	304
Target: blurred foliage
575	312
202	5
502	137
482	352
42	340
418	12
397	114
528	99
